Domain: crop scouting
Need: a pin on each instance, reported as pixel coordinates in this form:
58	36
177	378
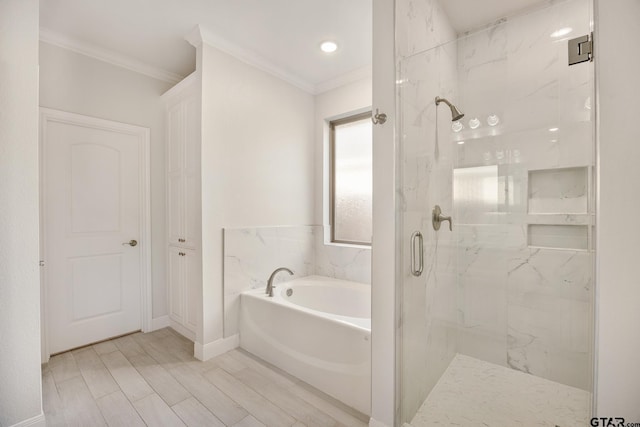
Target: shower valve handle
437	218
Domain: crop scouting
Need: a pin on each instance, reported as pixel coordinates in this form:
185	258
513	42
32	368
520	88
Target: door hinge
581	49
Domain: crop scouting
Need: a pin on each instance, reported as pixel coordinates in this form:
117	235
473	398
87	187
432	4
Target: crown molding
105	55
200	35
344	79
185	84
195	36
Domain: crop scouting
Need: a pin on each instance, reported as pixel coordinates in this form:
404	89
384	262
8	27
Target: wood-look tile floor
153	379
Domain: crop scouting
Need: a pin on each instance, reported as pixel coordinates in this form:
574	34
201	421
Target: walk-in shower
497	329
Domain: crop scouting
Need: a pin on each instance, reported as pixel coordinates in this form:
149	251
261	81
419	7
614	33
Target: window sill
347	245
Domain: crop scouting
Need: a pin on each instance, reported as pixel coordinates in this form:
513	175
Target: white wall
80	84
257	163
617	68
383	253
20	384
340	102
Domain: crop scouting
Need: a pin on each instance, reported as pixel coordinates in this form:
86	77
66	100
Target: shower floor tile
472	392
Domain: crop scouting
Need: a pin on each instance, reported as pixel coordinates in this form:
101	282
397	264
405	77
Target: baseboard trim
179	328
38	421
159	323
216	348
375	423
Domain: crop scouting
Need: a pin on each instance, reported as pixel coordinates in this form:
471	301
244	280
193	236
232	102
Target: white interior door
93	212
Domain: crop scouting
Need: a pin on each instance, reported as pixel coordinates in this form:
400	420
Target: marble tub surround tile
346	262
252	254
473	392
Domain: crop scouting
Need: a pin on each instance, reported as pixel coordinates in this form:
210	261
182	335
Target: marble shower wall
421	25
522	194
487	290
252	254
425	163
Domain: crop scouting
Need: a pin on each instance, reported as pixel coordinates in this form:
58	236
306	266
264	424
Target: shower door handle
417	259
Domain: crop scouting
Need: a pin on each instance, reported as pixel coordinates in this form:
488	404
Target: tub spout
273	276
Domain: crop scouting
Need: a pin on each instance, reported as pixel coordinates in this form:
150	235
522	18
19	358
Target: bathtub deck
152	379
476	393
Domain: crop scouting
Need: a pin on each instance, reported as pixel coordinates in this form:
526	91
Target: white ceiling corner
109	56
362	73
281	37
202	34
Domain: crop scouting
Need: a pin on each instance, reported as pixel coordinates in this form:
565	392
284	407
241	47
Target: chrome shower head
455	113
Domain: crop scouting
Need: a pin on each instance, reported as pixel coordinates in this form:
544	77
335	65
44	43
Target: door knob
437	218
131	243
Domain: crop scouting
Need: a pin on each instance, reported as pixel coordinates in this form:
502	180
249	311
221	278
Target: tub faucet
273	275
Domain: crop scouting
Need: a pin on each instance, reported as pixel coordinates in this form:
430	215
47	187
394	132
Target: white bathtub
320	334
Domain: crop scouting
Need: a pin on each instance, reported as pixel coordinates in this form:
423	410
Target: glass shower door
498	327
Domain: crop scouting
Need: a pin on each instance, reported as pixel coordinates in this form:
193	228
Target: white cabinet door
183	210
175	278
191	173
175	174
183	178
184	289
175	132
175	204
192	288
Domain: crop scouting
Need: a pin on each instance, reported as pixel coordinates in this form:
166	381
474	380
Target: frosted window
352	179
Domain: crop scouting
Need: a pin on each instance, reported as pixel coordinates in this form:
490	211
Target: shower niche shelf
554	236
558	191
558	208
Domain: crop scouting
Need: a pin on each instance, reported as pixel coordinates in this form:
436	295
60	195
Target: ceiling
282	35
279	36
465	15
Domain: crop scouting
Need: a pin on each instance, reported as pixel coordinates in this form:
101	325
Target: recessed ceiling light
553	129
328	47
460	142
561	32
